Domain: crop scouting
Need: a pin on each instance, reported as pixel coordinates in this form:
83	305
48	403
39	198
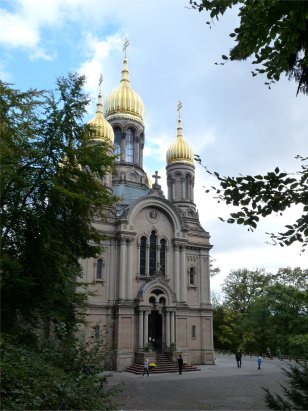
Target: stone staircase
163	365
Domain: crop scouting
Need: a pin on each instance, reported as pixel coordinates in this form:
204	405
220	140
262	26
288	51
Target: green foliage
274	32
64	374
262	310
49	200
259	196
295	394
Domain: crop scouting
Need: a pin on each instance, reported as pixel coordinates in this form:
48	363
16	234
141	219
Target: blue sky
230	118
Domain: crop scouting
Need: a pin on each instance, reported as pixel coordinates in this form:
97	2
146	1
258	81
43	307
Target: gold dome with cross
102	129
179	151
124	101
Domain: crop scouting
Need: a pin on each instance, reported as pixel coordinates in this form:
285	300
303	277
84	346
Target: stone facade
151	283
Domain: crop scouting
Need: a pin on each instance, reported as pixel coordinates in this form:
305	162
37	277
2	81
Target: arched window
163	256
192	276
193	331
129	146
153	247
143	249
99	269
117	143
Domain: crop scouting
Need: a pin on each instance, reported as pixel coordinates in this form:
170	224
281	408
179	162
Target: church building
151	283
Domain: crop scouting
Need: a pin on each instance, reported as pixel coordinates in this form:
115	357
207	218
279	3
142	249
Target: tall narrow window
99	269
117	142
192	276
129	146
143	249
163	256
193	331
153	247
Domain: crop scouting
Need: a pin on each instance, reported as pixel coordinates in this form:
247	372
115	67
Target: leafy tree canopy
273	32
261	310
259	196
48	202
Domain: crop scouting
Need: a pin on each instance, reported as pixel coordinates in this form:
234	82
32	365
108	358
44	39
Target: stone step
163	365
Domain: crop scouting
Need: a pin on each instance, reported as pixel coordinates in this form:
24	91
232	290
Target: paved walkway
222	386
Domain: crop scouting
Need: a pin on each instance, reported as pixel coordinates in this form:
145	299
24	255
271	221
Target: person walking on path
146	367
238	357
180	363
259	360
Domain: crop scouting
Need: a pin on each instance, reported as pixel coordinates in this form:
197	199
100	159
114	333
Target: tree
259	196
261	310
274	32
49	199
296	393
242	287
51	189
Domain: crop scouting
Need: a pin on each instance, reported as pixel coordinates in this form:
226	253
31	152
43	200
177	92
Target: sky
230	119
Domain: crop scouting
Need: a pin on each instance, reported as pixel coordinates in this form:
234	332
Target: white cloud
230	119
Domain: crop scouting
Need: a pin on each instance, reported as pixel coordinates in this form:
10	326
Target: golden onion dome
103	130
180	151
124	101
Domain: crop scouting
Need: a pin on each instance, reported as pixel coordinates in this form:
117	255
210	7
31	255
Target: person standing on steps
146	367
180	363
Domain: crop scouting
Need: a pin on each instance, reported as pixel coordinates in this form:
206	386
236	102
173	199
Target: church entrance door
155	330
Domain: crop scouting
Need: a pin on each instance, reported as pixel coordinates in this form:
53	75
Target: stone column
138	257
140	329
167	329
136	151
183	188
158	256
172	313
129	280
141	155
146	328
147	260
122	268
173	189
183	280
169	189
166	262
176	270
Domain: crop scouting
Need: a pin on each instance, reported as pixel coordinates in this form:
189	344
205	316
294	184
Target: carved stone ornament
153	216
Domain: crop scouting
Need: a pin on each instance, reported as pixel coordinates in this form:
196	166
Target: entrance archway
155	330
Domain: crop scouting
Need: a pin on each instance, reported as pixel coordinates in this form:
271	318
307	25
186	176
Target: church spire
125	73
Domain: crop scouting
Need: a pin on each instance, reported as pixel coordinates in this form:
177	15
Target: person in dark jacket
180	363
238	357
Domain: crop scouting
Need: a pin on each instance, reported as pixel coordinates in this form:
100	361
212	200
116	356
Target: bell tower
180	170
124	110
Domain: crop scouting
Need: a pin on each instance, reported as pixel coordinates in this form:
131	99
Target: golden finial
179	108
126	43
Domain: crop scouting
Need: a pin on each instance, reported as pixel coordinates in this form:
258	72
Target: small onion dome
124	101
103	129
179	151
149	181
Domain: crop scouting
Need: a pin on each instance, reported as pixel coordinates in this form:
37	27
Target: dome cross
180	105
126	44
156	177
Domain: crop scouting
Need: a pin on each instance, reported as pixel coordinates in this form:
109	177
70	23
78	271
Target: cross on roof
126	43
179	108
100	83
156	176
